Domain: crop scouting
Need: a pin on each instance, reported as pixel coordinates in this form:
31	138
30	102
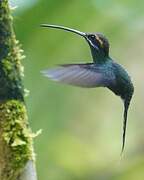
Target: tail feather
126	107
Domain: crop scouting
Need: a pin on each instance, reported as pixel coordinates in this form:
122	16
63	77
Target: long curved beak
64	28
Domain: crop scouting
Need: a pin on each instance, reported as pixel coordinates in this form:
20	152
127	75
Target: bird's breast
123	85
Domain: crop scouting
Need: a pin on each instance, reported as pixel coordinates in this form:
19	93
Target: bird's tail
126	107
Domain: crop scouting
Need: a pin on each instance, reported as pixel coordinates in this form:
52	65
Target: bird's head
98	42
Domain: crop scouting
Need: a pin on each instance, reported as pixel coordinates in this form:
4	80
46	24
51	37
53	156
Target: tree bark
16	139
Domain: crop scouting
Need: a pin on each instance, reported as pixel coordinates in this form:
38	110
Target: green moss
16	137
10	57
16	134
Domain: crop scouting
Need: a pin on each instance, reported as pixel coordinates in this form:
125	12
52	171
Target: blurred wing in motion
83	75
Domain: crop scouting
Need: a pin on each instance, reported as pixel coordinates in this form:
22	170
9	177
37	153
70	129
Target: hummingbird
102	72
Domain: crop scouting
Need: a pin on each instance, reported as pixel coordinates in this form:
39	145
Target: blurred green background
82	128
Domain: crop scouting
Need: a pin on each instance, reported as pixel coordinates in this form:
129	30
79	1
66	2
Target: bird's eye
93	36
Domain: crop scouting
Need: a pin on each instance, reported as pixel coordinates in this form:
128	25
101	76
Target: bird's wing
83	75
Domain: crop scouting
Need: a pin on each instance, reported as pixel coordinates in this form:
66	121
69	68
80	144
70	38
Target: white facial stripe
93	45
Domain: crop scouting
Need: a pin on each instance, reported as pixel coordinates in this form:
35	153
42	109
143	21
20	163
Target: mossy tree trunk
16	151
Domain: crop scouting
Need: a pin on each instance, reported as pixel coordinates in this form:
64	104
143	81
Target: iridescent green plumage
103	72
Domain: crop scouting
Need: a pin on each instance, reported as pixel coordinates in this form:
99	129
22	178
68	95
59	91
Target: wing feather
82	75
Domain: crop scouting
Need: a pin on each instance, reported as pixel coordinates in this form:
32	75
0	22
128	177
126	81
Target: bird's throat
98	56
